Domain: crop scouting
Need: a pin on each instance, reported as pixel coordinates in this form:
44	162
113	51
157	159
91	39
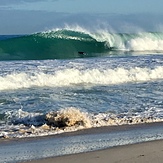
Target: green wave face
61	44
64	44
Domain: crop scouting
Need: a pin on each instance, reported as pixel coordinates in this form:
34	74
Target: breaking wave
67	120
74	76
75	43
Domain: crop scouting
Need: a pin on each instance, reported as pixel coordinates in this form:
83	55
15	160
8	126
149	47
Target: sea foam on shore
24	124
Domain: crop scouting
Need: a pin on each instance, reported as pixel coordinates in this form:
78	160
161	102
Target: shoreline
82	142
86	131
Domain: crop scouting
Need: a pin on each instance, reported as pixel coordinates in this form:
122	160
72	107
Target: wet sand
65	147
148	152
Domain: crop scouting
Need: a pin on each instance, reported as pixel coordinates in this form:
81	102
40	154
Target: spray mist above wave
74	76
141	41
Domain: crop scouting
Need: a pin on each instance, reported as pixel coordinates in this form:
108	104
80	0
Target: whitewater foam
131	42
68	117
68	120
70	77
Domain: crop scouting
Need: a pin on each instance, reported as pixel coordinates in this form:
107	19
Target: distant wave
74	43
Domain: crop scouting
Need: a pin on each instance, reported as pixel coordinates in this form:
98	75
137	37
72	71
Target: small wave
67	120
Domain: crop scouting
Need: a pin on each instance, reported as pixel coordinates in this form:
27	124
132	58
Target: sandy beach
148	152
128	143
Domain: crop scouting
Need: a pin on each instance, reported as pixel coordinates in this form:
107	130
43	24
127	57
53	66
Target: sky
29	16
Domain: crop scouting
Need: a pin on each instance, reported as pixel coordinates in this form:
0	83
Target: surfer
80	52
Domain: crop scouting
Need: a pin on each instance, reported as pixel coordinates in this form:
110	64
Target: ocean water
69	79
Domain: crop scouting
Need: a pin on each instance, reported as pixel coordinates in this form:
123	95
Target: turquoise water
68	43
